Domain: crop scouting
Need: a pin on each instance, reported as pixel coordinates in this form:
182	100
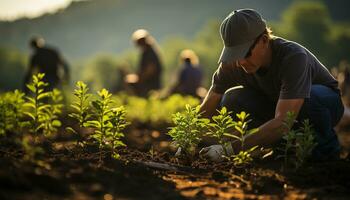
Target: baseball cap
238	32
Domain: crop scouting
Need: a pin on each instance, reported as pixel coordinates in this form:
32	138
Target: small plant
298	143
289	135
241	126
37	104
243	157
43	108
102	118
108	123
50	119
81	109
114	134
304	143
188	129
221	128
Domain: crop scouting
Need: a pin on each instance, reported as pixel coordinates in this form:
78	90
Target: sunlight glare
13	9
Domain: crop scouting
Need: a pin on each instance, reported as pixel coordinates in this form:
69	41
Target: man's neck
268	57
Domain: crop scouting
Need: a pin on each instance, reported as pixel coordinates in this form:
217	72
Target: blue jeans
324	109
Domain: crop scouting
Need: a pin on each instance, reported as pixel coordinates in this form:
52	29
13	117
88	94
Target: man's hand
215	153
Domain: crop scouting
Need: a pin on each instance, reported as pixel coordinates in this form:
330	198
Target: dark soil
147	169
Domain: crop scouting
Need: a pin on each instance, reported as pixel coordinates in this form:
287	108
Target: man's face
256	58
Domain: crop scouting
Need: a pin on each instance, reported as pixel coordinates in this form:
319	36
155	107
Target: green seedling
298	143
289	135
81	109
37	104
304	143
102	117
221	128
241	127
43	109
51	121
243	157
188	130
114	134
108	122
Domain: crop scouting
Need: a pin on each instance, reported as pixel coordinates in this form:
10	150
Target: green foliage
101	117
188	130
108	123
42	110
241	127
11	121
304	143
81	108
307	17
37	104
310	24
43	115
289	135
119	123
298	144
51	117
11	112
222	127
243	157
150	107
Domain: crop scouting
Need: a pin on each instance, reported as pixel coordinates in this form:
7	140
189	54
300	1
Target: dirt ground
147	169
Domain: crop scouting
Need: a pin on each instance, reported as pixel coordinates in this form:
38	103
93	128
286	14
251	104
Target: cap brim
230	54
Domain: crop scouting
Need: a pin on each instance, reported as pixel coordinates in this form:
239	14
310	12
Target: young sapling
188	130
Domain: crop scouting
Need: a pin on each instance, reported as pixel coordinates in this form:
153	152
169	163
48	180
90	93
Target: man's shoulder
287	46
285	49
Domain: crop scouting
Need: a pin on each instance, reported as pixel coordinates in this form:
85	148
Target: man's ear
265	40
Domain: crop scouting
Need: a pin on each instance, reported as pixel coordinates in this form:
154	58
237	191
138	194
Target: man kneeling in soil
277	76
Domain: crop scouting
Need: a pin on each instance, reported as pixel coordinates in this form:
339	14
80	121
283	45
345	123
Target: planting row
31	119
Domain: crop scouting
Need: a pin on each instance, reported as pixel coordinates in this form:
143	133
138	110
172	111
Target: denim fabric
324	109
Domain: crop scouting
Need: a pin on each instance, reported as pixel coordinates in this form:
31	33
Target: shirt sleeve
221	80
295	77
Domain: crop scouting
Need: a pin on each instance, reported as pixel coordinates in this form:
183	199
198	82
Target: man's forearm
210	103
268	134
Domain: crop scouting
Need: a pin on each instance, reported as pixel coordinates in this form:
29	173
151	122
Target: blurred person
46	60
148	76
276	76
190	77
343	77
344	80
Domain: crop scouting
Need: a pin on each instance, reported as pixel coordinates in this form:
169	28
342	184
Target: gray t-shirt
290	75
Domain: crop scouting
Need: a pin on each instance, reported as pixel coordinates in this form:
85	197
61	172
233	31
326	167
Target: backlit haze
14	9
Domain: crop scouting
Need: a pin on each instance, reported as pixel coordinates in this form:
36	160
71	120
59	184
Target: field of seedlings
101	146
